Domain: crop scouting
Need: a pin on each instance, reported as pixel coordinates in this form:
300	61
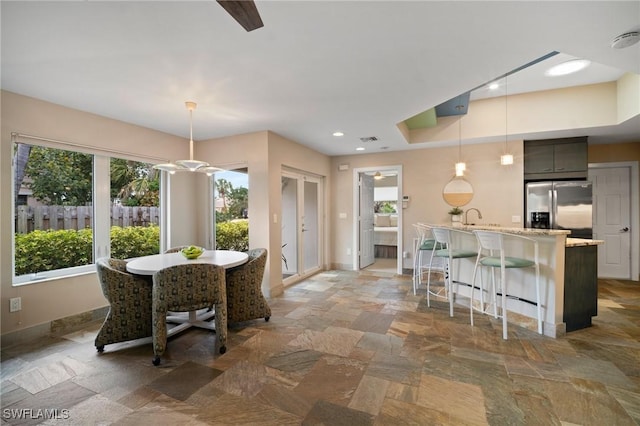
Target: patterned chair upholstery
245	300
185	288
129	297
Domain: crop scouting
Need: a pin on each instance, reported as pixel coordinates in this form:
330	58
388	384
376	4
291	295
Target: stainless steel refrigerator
560	205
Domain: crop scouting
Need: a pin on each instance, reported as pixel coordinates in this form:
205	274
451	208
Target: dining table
149	265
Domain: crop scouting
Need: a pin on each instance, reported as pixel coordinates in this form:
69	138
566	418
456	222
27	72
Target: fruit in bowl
192	252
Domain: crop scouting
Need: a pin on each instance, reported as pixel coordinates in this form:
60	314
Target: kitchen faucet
466	220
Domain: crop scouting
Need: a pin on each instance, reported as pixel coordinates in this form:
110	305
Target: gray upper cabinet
555	158
570	157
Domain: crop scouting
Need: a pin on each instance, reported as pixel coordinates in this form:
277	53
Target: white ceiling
314	68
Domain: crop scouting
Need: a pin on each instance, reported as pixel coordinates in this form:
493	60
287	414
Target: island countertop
510	230
570	242
579	242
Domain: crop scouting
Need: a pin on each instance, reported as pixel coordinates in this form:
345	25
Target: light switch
342	215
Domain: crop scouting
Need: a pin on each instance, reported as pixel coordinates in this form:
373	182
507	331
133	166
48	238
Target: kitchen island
568	278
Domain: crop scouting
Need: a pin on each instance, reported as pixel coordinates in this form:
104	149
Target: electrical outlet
15	304
348	251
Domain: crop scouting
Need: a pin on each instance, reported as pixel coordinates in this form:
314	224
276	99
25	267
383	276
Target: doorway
302	225
615	200
378	219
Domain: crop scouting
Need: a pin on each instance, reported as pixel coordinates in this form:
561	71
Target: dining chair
175	249
245	300
129	298
496	256
185	288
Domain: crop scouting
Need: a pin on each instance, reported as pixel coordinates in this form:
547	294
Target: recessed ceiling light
567	67
493	86
360	148
337	134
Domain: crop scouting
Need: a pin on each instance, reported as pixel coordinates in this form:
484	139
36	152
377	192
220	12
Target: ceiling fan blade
245	12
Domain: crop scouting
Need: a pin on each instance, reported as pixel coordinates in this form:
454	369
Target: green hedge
232	235
41	251
134	241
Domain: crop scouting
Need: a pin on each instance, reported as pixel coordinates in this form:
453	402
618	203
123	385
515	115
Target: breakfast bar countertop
511	230
570	242
579	242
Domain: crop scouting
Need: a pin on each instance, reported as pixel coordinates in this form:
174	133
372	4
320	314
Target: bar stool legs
493	243
452	250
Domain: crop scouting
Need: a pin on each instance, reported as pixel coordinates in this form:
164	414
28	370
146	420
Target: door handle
304	230
625	229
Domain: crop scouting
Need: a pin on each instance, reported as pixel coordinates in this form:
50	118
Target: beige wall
607	153
43	302
563	109
498	190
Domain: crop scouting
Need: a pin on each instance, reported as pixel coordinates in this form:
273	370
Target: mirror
458	192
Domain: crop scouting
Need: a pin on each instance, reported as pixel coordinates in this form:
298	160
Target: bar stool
453	249
493	242
423	246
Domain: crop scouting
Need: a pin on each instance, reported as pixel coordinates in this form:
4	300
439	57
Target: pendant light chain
506	112
460	166
506	159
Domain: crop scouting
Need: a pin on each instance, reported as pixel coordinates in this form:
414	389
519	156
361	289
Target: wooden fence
78	217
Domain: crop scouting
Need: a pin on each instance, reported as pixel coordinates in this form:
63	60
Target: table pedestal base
200	319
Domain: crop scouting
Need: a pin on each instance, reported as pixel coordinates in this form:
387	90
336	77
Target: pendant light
189	165
506	159
460	165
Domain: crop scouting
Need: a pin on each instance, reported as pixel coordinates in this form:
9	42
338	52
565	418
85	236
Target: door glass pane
310	226
53	199
135	209
289	226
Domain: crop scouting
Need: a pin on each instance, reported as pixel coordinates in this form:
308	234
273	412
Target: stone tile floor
342	348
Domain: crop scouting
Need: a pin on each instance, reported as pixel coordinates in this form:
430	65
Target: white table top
148	265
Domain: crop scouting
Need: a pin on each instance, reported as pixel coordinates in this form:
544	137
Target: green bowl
192	254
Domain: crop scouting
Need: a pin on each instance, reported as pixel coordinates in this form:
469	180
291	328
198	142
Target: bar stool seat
453	249
493	242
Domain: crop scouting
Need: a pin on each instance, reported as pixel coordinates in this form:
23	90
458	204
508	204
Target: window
231	209
135	209
71	207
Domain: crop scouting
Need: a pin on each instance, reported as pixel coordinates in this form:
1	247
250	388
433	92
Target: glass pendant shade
190	165
506	159
209	170
167	167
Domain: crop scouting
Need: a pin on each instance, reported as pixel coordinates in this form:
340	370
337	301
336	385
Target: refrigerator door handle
553	195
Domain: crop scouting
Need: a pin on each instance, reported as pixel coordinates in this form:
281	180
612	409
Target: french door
366	248
302	225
